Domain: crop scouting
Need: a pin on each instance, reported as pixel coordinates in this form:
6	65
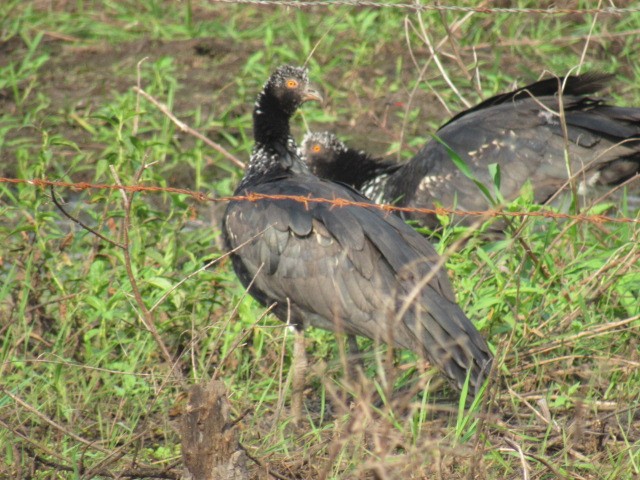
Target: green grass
86	392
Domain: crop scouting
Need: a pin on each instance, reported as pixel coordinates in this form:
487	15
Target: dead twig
258	462
51	422
146	317
592	332
81	223
187	129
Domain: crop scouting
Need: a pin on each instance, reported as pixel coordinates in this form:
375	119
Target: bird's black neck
355	168
270	121
275	152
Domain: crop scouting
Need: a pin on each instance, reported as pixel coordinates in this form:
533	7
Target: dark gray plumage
519	131
348	269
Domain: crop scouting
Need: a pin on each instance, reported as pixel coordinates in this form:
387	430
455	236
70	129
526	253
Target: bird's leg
353	372
354	352
299	368
352	341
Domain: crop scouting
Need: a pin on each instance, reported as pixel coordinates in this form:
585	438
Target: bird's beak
311	94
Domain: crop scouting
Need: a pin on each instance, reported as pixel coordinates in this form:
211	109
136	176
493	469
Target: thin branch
257	461
436	59
187	129
586	43
28	439
82	224
51	422
454	45
610	327
146	316
523	461
423	70
140	472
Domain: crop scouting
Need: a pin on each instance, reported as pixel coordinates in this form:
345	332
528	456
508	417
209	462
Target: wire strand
417	7
337	202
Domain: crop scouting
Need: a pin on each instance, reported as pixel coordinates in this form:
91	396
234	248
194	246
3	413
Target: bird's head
321	151
290	86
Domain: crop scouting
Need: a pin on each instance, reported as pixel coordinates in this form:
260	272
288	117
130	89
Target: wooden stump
210	448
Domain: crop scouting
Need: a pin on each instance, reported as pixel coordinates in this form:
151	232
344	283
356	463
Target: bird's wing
526	140
576	85
318	257
350	269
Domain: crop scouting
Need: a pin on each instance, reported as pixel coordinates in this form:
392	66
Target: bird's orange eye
291	83
315	148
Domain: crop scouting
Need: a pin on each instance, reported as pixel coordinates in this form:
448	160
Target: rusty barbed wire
417	7
38	182
337	202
